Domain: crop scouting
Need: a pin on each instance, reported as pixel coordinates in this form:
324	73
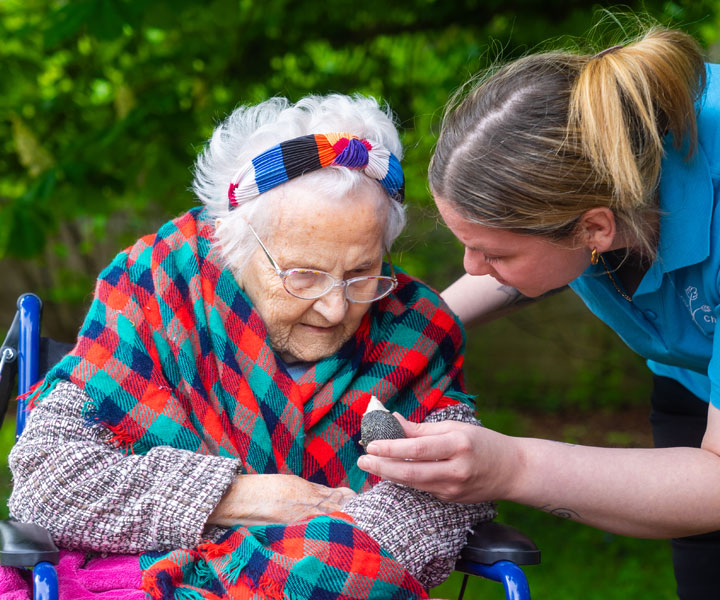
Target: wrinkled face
531	264
342	236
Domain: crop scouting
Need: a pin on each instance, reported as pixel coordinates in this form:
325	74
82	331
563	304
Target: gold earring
594	256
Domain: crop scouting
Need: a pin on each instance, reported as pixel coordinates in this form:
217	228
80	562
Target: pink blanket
115	577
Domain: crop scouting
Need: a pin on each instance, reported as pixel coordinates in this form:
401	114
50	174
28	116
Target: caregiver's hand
454	461
267	499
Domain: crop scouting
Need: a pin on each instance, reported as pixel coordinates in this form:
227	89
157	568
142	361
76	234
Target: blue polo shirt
671	320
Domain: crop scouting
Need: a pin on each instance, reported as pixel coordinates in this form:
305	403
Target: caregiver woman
601	172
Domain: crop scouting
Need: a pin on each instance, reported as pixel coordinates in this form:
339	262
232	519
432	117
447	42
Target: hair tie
298	156
607	51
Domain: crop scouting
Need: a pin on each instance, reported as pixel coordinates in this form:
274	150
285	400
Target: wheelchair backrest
27	355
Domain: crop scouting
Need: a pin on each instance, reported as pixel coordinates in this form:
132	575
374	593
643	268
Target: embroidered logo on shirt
705	316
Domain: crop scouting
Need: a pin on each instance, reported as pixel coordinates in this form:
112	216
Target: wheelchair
494	550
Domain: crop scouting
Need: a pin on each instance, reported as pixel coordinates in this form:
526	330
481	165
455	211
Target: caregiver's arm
653	493
480	299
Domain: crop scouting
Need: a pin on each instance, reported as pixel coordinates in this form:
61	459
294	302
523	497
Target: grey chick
379	424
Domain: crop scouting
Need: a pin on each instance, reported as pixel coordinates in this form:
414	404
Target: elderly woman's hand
267	499
454	461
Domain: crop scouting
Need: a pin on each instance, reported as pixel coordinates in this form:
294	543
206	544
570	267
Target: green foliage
104	105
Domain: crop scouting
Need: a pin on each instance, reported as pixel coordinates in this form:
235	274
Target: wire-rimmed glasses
310	284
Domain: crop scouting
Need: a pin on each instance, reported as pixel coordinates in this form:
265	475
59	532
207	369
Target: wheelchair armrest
25	545
491	542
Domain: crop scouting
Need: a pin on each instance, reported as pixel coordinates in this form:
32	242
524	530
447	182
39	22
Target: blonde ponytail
626	100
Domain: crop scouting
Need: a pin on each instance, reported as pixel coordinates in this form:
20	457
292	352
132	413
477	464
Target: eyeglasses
310	284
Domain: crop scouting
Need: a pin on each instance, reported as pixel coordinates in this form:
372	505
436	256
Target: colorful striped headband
308	153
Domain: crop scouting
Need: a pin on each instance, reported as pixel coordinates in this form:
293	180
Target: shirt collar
686	205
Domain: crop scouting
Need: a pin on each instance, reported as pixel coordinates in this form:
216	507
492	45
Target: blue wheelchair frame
493	551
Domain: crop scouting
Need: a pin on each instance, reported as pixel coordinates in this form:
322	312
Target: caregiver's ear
597	228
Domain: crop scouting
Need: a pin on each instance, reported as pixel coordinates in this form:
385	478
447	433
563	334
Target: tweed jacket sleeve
423	533
90	496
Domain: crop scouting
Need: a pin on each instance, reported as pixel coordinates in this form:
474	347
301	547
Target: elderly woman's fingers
346	494
297	499
261	499
331	499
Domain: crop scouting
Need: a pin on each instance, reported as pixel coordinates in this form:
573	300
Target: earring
594	256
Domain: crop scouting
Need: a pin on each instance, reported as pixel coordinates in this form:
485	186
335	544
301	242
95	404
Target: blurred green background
105	103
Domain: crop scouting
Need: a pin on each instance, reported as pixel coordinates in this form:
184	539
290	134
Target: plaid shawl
173	353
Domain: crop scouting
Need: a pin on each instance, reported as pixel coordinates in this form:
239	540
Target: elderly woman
209	416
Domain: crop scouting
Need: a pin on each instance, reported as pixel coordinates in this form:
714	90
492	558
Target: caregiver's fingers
427	441
447	480
433	447
456	462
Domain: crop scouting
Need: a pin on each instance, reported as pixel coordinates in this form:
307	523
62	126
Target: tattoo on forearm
562	512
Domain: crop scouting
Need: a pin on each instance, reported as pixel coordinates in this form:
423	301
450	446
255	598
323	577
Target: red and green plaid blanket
173	353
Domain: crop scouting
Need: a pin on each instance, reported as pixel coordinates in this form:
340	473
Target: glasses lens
368	289
307	284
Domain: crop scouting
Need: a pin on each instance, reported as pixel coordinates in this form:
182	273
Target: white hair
250	130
